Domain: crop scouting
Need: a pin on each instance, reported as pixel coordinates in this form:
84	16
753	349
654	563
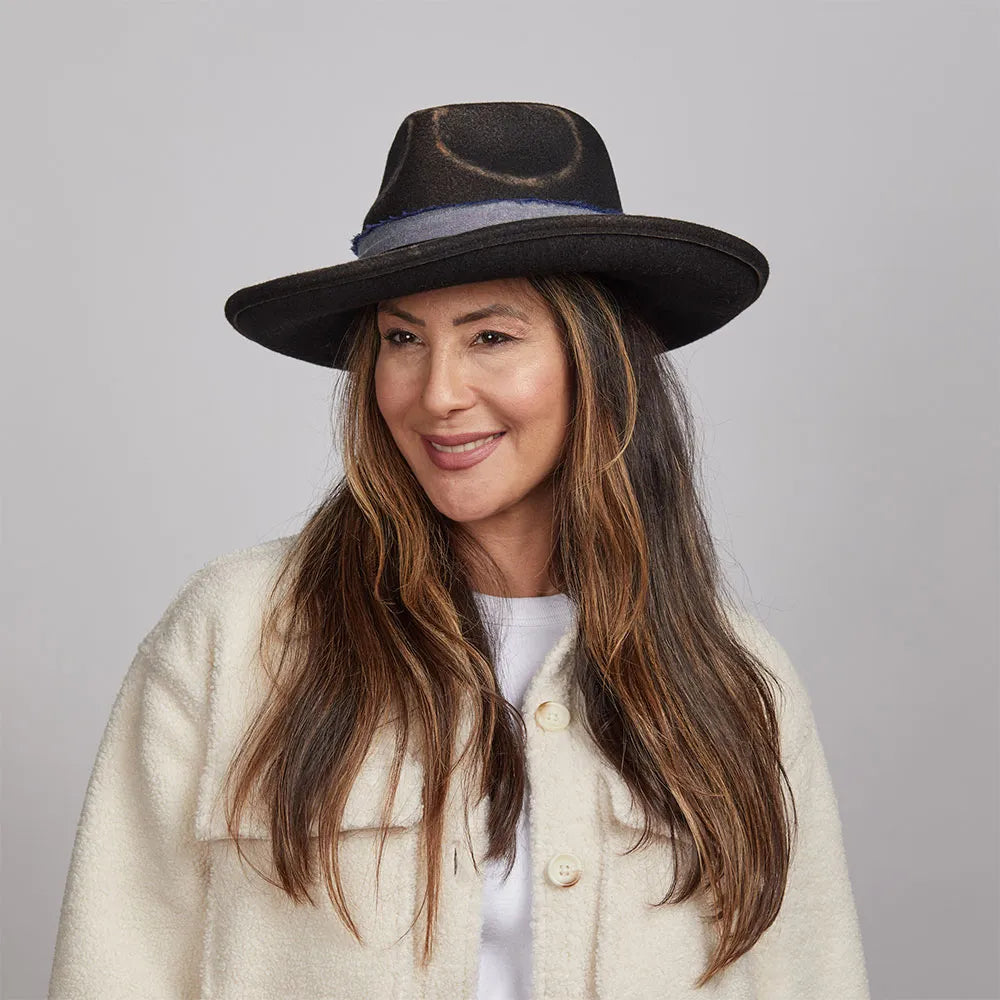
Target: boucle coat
157	905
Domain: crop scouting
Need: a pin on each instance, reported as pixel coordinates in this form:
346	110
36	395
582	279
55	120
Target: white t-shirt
530	627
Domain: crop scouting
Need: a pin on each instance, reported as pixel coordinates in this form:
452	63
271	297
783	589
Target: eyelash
506	338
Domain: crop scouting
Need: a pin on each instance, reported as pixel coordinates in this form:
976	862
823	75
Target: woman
489	725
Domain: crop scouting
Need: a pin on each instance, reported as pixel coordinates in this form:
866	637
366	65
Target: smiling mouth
471	446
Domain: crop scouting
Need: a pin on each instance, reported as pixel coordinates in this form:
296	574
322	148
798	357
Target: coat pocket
646	871
258	943
645	950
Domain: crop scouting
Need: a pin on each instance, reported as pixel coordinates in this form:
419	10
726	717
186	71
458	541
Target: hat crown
459	154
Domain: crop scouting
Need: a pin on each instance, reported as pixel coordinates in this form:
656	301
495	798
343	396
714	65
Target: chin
462	515
465	513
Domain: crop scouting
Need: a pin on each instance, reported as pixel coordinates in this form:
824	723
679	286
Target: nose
446	385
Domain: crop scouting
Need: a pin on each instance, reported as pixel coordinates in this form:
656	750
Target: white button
564	870
551	715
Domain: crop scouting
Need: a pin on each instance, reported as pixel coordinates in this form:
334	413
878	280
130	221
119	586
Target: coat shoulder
203	651
793	703
222	597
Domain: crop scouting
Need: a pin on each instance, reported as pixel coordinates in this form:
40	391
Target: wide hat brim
686	279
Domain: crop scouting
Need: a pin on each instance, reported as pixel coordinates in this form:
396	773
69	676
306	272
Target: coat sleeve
132	912
813	950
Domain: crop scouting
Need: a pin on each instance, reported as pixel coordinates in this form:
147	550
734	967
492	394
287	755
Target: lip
461	459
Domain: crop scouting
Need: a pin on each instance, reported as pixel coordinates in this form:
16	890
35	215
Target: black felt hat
473	192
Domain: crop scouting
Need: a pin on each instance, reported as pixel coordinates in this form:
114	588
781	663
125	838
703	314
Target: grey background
161	155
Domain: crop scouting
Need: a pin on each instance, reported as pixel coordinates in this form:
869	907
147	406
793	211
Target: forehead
509	297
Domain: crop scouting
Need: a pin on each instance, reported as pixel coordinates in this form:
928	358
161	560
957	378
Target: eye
392	333
483	333
496	333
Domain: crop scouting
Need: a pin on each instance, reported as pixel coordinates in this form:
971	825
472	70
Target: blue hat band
450	220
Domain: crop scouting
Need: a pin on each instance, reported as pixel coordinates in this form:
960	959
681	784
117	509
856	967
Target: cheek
542	395
389	394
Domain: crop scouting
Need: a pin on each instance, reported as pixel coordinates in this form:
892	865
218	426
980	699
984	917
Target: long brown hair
377	589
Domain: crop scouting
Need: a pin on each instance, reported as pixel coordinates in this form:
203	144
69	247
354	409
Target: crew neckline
544	610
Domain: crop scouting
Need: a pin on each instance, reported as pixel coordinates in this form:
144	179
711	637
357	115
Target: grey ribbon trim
449	220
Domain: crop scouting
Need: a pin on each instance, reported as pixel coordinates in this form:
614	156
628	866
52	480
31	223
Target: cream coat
157	905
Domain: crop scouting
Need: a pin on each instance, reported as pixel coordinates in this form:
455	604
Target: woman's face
450	367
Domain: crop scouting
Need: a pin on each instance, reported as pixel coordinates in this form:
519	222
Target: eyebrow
497	309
